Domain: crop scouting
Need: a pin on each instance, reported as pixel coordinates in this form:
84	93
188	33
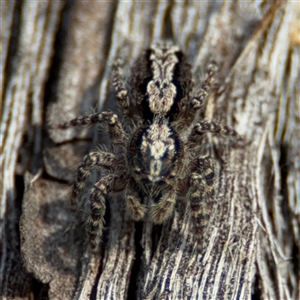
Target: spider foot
135	208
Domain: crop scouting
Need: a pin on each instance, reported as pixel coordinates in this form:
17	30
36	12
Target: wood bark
56	64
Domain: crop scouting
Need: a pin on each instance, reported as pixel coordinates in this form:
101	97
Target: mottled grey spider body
158	153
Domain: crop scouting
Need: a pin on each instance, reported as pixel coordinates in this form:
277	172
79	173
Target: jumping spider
157	152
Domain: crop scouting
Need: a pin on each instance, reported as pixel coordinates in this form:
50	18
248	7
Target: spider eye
171	176
146	180
160	182
137	171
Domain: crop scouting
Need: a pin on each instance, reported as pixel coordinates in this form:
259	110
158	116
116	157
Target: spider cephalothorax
157	155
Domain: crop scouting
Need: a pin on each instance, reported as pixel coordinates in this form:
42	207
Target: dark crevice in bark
12	58
136	268
58	49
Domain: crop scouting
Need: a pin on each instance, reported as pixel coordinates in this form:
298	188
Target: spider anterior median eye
137	171
160	182
146	180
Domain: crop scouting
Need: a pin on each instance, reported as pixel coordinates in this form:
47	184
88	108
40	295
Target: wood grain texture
56	64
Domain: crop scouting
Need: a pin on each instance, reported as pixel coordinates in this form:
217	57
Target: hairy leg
127	104
119	86
115	128
198	98
133	203
163	209
201	128
106	185
202	93
202	198
97	159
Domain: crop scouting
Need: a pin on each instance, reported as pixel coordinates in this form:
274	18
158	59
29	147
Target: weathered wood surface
56	64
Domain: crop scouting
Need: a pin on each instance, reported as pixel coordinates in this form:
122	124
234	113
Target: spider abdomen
161	81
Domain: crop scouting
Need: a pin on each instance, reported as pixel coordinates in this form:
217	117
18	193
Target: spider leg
199	97
105	186
163	209
119	86
133	203
202	93
202	198
127	104
115	128
205	126
97	159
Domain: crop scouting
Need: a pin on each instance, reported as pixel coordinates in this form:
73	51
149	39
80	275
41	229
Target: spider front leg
202	198
97	159
133	203
106	185
163	209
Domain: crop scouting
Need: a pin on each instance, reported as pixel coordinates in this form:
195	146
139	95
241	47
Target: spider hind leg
202	93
